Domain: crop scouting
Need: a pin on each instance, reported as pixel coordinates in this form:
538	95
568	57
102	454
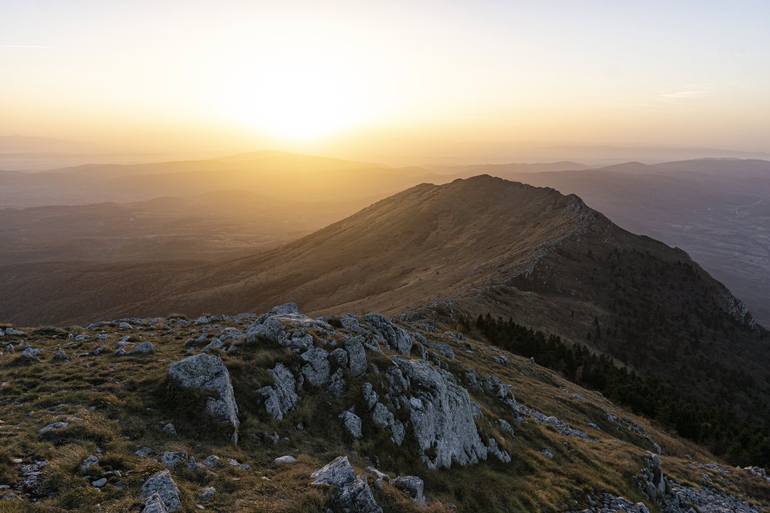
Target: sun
298	102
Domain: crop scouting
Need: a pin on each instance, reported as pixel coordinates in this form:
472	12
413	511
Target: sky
389	81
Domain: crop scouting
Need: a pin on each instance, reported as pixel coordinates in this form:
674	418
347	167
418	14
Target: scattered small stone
87	463
208	493
53	427
172	459
60	356
31	354
285	460
212	461
144	452
413	485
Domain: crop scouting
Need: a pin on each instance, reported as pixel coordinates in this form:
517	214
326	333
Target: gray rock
384	418
337	383
351	494
207	493
270	329
350	323
87	463
396	337
31	354
31	475
352	423
497	452
235	463
340	357
99	483
608	503
164	486
442	416
169	429
60	356
444	350
230	334
143	348
397	381
154	504
285	460
172	459
356	355
412	485
356	497
282	397
208	374
336	473
53	427
144	452
505	426
380	476
212	461
317	370
397	432
215	344
496	388
369	395
285	309
547	453
686	499
652	480
558	425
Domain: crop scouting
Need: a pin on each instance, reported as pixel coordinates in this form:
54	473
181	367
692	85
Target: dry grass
116	405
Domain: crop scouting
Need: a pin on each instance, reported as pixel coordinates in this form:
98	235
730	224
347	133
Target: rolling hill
715	209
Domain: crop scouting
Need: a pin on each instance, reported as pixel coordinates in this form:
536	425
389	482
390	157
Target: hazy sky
405	80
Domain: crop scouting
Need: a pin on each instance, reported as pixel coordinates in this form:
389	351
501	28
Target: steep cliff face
344	412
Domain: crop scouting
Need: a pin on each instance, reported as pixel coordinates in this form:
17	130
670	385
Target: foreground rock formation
343	414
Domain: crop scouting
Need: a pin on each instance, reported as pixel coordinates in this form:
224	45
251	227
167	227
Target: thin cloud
686	94
23	46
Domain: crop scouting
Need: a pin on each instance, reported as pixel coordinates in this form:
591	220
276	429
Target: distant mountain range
718	210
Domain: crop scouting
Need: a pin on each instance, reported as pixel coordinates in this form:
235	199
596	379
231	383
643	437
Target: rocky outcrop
281	397
286	326
207	375
673	497
608	503
442	416
369	395
384	418
356	356
396	337
351	494
317	369
686	499
652	481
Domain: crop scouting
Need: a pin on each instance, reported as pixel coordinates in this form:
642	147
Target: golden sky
386	80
